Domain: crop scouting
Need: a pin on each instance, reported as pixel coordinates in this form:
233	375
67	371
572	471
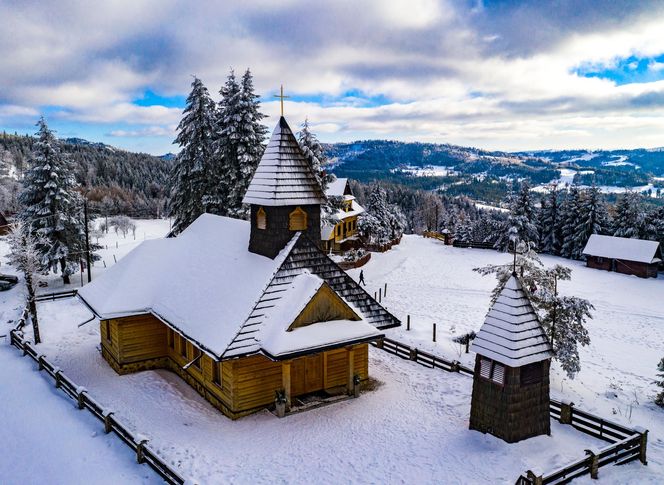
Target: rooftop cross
281	98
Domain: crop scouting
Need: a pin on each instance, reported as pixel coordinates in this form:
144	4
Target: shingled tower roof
511	333
283	176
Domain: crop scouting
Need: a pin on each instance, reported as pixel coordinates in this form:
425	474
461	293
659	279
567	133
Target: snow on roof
326	230
189	282
283	176
275	338
511	333
336	188
612	247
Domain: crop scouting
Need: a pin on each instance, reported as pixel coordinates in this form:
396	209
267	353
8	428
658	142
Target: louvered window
485	368
261	219
531	374
297	220
498	375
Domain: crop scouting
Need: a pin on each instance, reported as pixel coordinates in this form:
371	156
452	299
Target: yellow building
249	313
342	235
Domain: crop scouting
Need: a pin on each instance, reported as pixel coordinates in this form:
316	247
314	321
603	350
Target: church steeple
284	195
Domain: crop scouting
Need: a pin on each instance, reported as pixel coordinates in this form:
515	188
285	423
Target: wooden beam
286	381
324	370
351	369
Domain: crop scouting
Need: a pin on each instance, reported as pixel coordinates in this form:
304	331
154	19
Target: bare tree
26	258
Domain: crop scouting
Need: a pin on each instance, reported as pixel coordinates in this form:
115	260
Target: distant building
511	383
342	236
623	255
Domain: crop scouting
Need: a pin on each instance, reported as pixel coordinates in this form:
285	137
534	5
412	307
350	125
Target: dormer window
297	220
261	219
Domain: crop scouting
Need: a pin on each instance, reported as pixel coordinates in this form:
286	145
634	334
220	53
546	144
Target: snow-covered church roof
206	285
283	176
511	333
611	247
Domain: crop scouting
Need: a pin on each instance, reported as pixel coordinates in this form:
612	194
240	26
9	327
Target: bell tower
284	195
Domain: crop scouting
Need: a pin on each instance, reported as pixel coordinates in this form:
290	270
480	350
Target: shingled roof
283	176
511	333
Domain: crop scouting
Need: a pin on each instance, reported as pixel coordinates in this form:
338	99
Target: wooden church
510	397
243	311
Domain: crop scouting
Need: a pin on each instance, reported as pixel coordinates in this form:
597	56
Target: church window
297	220
261	219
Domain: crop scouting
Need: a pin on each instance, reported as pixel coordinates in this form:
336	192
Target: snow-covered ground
428	171
412	428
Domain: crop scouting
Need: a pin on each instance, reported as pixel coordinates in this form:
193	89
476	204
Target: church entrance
307	375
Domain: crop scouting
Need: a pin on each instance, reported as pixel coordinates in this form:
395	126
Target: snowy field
412	428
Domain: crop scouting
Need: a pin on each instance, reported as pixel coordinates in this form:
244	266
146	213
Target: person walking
362	278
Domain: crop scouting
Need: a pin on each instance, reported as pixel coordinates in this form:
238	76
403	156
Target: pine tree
550	237
52	207
193	175
315	154
629	216
241	140
593	218
659	399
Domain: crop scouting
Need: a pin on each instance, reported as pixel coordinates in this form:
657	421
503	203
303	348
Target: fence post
408	322
80	399
385	291
140	456
566	411
455	366
534	479
380	295
107	422
413	354
379	343
40	361
434	332
57	378
643	444
593	463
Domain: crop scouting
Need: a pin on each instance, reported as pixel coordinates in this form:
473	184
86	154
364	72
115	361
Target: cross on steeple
281	98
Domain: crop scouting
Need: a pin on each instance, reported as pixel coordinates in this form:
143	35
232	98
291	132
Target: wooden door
307	374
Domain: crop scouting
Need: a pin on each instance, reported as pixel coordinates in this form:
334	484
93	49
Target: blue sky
496	75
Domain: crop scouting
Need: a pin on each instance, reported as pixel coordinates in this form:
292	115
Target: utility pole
87	239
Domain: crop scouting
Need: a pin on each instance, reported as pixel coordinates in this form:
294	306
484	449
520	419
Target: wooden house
510	396
4	224
623	255
243	310
342	235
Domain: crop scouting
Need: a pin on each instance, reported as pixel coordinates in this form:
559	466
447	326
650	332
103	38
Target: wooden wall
246	384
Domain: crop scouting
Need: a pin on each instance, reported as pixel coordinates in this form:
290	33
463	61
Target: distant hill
118	181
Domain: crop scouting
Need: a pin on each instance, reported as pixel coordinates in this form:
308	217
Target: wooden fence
626	444
475	244
83	399
56	295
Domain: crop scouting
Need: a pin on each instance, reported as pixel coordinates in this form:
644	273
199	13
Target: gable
325	306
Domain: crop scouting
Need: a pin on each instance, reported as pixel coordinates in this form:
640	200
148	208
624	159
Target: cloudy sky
493	74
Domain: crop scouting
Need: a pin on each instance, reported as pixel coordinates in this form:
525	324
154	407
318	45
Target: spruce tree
659	399
571	209
550	237
241	140
629	217
193	175
521	223
593	218
52	207
315	154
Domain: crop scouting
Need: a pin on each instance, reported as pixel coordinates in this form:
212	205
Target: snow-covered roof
511	333
627	249
283	176
191	283
337	188
326	230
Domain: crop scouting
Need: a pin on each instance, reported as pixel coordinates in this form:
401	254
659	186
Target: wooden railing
626	444
56	295
473	244
83	399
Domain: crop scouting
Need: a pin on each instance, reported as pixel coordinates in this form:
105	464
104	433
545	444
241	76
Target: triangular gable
324	306
305	256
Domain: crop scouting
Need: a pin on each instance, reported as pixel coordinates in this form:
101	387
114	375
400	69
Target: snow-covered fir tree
571	211
241	140
193	177
550	238
522	220
629	217
563	317
593	218
382	222
659	399
315	154
52	207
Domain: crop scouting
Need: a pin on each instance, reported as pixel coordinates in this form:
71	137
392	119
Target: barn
342	234
623	255
244	311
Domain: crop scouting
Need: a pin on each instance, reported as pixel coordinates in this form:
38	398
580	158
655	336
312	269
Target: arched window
297	220
261	219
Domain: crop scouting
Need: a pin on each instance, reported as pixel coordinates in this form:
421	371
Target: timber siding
642	270
247	384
